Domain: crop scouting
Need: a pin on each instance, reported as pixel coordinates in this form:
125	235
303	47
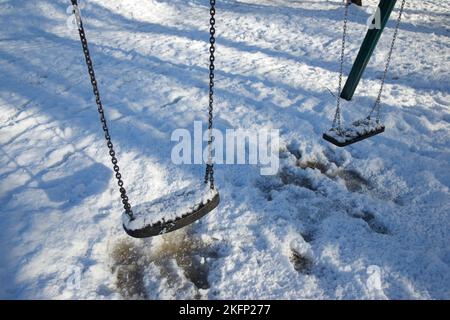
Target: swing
367	127
180	208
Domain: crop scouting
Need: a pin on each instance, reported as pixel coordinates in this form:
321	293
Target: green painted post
368	46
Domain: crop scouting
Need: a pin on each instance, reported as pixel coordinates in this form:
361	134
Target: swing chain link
112	153
209	175
377	105
337	117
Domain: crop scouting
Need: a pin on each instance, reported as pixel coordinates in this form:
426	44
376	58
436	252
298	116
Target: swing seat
171	212
359	130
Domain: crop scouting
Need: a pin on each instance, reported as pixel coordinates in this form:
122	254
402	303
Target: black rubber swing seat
171	212
358	131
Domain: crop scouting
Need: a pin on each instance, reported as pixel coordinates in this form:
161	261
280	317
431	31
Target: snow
170	207
370	221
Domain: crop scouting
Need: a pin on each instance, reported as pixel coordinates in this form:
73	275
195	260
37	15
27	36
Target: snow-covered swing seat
359	130
172	211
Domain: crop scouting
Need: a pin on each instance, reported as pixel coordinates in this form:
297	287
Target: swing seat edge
360	130
149	227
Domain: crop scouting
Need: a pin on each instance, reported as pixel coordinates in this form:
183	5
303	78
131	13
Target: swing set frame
367	48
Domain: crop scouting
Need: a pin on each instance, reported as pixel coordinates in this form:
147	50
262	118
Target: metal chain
209	175
337	116
112	153
377	105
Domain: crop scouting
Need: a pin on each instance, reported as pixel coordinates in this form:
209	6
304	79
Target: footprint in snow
372	222
128	267
302	263
177	252
297	175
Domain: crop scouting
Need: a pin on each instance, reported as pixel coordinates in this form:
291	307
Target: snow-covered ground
368	221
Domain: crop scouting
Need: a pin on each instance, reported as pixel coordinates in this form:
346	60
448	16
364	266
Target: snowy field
370	221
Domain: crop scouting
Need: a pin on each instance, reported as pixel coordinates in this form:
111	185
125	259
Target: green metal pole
368	46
